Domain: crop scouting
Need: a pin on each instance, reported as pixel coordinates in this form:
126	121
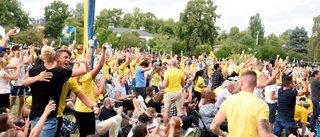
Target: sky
277	15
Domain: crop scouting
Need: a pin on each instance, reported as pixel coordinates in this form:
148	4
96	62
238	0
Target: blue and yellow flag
89	9
66	33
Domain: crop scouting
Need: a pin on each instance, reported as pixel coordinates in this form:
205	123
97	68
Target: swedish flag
66	33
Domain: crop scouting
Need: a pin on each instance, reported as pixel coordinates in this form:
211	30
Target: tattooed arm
215	125
264	128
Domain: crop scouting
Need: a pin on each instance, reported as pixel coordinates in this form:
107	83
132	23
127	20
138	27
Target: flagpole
60	42
75	35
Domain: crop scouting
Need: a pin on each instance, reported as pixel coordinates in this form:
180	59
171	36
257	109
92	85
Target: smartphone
18	30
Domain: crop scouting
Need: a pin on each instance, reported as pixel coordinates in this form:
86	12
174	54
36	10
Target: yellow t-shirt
121	71
133	69
257	72
199	81
106	68
300	114
74	87
242	111
77	55
156	80
174	77
88	88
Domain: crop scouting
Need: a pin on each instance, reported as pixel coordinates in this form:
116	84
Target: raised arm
15	75
215	125
79	71
96	69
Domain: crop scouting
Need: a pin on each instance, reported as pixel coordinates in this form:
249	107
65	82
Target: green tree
273	40
12	14
206	47
128	21
55	14
200	14
295	55
223	52
284	37
234	31
269	52
314	44
194	40
29	36
76	20
107	16
167	27
298	40
178	46
129	39
247	40
257	28
161	43
107	35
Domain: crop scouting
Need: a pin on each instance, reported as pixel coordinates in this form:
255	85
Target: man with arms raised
247	115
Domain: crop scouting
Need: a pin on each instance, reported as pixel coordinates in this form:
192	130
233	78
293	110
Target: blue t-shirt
140	79
286	105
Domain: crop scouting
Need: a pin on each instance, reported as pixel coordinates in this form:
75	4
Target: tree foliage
11	14
273	40
29	36
314	44
257	28
129	39
200	14
55	14
248	41
162	43
224	51
298	40
107	16
207	48
194	40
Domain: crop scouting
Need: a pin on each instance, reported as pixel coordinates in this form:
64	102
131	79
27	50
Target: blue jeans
49	128
315	114
280	125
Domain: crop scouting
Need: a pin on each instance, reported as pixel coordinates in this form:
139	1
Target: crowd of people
133	93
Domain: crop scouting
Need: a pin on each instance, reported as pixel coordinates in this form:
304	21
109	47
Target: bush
223	52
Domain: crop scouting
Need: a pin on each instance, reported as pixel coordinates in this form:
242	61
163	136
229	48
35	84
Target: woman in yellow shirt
156	79
199	84
85	115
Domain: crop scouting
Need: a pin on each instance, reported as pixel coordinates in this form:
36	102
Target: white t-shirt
222	96
15	60
152	126
120	89
258	92
268	90
4	83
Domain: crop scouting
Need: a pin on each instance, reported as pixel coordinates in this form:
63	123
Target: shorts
17	91
173	98
272	112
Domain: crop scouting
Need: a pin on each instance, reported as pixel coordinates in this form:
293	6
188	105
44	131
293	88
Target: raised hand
49	108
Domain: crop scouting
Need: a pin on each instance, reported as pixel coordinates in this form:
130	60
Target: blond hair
47	54
2	63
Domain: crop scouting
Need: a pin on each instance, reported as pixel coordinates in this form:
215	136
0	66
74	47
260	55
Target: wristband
91	47
304	79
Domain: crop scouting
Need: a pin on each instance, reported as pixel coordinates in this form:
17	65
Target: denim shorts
49	128
272	112
17	91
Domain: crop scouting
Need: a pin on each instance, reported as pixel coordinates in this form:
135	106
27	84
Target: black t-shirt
315	90
156	106
38	62
286	104
42	91
107	113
